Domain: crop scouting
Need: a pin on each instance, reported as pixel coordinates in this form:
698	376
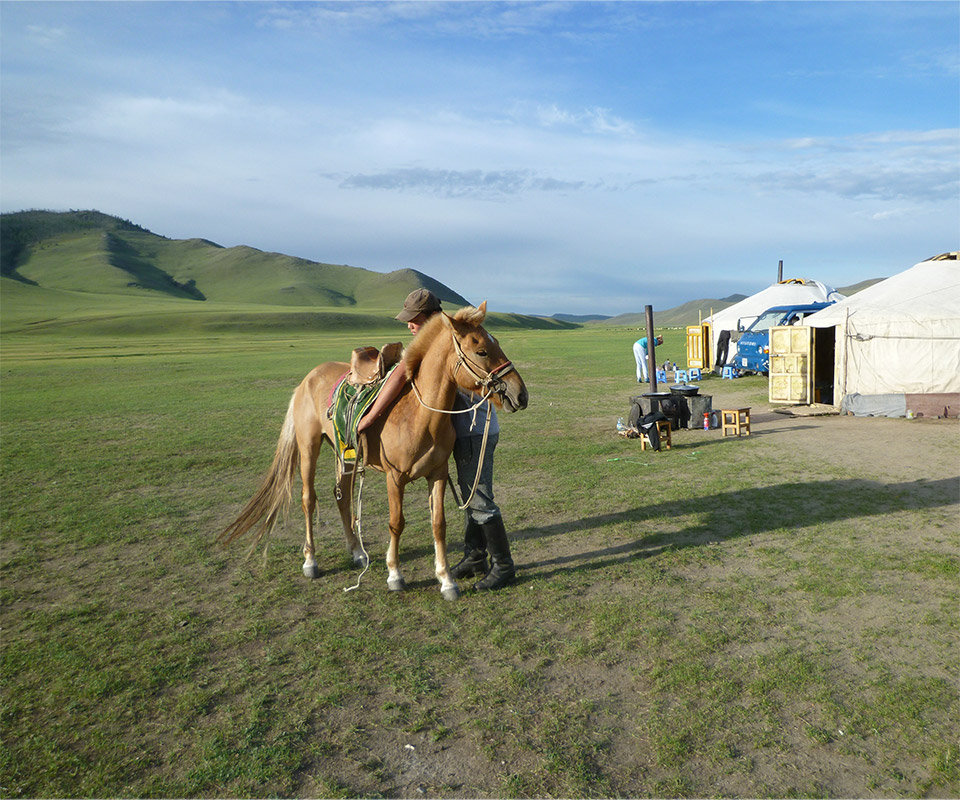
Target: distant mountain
859	287
580	318
692	312
93	253
87	251
689	313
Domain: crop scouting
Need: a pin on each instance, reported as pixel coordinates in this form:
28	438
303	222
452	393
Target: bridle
492	383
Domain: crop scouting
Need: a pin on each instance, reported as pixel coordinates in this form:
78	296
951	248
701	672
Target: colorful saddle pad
349	404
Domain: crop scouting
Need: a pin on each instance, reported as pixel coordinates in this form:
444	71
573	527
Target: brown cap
419	301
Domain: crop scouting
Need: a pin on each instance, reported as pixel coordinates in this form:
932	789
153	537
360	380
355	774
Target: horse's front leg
395	581
438	486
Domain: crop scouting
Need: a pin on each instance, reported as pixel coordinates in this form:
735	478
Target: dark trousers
723	344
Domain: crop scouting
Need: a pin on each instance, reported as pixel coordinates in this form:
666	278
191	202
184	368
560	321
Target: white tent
785	293
900	336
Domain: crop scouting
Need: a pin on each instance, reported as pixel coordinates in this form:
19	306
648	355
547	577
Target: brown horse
412	440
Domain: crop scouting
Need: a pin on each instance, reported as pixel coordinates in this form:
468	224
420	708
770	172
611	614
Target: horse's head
481	364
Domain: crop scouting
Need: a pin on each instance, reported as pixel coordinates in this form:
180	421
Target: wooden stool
735	421
666	442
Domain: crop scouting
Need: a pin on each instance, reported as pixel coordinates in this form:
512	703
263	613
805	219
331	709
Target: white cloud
608	219
489	184
941	183
470	19
593	120
476	162
158	121
45	36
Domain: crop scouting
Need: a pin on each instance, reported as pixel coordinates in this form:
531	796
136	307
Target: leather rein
492	383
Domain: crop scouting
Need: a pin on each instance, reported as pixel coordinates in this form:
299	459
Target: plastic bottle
706	420
621	426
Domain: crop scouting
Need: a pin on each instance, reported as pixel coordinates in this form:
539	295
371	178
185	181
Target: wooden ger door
791	364
698	346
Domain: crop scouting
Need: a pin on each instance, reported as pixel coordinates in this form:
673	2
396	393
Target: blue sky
581	157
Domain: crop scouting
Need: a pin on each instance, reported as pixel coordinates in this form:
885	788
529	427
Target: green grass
711	620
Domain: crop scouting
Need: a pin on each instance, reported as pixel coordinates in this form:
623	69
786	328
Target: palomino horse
413	439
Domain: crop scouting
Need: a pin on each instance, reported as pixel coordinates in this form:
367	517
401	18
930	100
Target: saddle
369	365
355	392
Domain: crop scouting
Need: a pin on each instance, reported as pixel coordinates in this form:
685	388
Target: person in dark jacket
723	344
484	531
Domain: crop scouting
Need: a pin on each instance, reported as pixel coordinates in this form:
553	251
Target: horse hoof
361	560
451	592
311	571
396	584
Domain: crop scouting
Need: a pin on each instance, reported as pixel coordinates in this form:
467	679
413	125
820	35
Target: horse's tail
272	499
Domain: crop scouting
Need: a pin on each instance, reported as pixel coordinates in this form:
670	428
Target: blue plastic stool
693	374
661	376
680	375
728	373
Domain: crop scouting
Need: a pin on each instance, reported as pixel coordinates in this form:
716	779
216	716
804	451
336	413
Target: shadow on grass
744	512
720	517
694	444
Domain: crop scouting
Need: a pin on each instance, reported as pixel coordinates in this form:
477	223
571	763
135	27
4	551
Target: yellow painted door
698	346
791	364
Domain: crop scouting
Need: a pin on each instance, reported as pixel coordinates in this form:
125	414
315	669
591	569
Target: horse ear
447	319
482	308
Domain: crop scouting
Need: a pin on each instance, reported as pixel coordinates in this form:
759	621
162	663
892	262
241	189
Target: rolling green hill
693	312
85	271
687	314
86	251
92	271
858	287
581	317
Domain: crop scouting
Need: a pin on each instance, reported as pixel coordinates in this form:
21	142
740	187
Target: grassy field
762	617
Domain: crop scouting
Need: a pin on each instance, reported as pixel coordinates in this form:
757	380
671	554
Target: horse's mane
471	315
413	356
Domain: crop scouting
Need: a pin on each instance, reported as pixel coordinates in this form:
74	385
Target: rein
357	509
492	383
483	444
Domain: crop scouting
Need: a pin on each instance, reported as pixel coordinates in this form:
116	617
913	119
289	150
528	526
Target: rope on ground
357	527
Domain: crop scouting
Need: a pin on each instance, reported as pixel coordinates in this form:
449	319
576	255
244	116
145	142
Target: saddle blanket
350	402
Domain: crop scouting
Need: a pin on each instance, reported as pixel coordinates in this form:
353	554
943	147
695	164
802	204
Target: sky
548	157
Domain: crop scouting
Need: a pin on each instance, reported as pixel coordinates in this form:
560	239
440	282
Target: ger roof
929	290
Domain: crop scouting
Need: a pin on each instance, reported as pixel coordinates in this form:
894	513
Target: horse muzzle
506	387
513	394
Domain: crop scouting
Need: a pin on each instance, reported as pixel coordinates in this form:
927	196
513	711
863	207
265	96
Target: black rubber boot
474	561
502	570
